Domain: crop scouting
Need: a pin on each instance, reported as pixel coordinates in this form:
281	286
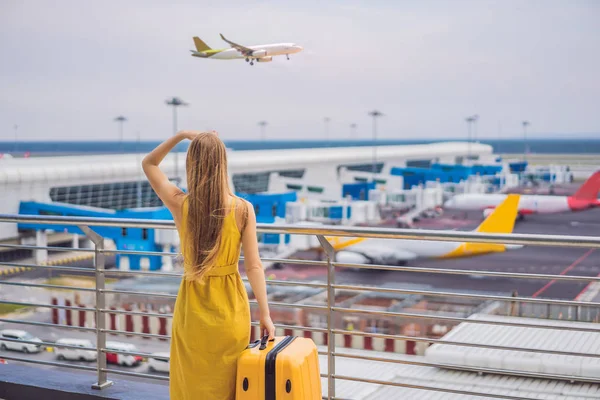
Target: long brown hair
208	194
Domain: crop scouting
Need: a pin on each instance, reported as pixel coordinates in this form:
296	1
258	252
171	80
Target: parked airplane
398	252
586	197
260	53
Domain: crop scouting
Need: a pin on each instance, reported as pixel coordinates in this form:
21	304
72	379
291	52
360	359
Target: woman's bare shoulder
242	208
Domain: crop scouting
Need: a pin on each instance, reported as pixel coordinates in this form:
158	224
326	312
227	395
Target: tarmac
530	259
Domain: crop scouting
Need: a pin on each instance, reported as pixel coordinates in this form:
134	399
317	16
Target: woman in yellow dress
211	321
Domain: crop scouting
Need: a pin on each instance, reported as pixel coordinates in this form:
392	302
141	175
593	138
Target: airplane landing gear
251	62
287	56
247	59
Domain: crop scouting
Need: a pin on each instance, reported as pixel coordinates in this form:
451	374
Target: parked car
158	364
74	354
122	359
19	335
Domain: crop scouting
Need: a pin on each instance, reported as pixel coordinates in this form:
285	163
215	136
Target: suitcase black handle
263	342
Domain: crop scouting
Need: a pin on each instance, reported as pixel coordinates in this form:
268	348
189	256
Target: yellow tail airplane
398	252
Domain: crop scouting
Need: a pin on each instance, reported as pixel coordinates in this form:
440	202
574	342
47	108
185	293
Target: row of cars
78	350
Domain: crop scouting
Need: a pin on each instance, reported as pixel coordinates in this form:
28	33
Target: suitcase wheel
288	386
245	384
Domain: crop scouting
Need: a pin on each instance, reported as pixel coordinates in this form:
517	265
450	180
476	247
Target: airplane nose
299	48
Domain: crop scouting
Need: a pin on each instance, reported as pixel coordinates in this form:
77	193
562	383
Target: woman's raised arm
159	181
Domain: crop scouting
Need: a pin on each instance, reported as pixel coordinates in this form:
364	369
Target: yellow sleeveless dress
211	323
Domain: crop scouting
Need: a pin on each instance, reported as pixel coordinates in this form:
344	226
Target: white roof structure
531	338
451	379
68	178
101	168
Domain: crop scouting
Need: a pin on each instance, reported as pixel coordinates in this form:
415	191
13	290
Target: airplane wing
242	49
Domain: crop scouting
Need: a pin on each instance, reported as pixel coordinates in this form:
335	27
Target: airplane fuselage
260	51
528	204
406	250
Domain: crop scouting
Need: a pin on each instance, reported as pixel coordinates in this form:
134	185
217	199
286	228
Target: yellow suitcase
286	368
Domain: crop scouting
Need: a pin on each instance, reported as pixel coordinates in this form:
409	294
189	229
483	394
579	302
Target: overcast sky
67	68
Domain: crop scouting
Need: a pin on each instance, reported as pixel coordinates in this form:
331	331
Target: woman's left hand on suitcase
267	327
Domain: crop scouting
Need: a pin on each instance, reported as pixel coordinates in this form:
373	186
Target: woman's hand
191	135
267	327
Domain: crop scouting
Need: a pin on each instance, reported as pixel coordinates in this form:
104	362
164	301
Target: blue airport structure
336	212
266	206
519	166
135	239
476	169
443	173
358	190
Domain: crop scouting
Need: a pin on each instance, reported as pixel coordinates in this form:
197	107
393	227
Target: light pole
375	114
525	125
326	120
469	120
120	120
139	181
176	102
353	131
262	125
475	119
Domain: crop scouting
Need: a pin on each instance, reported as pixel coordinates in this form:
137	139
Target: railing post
99	264
330	316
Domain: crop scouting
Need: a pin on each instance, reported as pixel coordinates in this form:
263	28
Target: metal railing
100	308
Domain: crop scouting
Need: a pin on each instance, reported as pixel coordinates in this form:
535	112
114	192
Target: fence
331	309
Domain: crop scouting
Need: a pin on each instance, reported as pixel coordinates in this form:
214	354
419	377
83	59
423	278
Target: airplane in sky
586	197
400	251
260	53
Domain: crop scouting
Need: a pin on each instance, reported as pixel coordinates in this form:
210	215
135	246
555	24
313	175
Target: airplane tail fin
502	219
200	45
339	243
590	188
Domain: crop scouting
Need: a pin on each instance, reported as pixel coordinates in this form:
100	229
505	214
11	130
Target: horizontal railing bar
134	353
329	230
288	305
151	335
275	282
43	285
292	261
430	388
50	248
56	267
470	272
53	364
149	314
48	344
151	294
463	344
137	374
148	335
47	305
140	252
88	221
130	272
458	319
50	325
466	295
302	328
467	368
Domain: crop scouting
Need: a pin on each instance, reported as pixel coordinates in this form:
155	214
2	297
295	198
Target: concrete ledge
22	382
